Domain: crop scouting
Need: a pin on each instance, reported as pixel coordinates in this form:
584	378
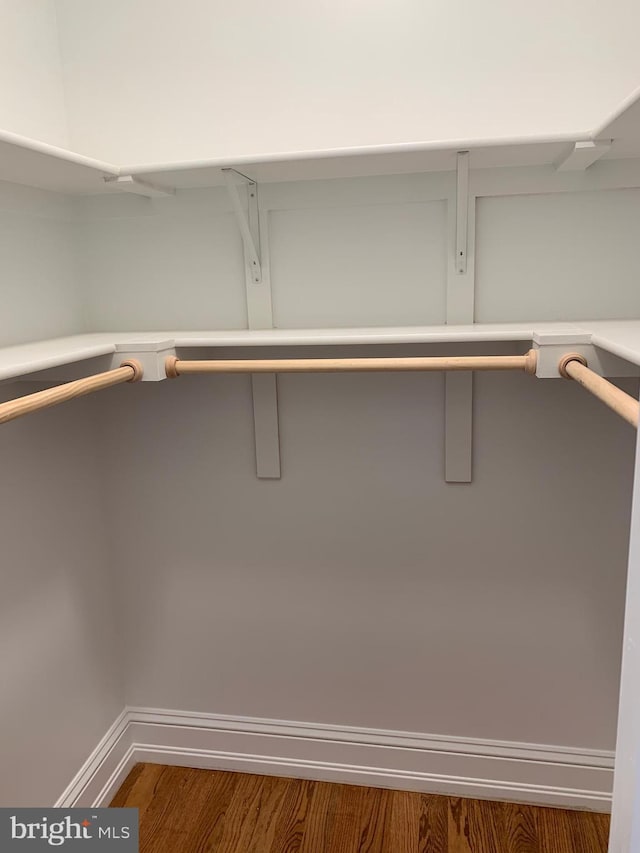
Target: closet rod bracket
557	348
150	354
247	221
574	366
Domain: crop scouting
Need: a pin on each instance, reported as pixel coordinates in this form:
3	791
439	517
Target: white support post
460	307
462	210
264	387
625	818
458	427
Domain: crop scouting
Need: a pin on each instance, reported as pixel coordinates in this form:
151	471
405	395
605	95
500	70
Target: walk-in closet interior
399	547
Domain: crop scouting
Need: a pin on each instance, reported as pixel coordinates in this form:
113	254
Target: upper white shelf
619	337
37	164
403	158
34	163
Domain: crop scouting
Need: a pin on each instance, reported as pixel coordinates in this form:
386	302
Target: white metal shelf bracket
247	222
582	155
138	186
264	386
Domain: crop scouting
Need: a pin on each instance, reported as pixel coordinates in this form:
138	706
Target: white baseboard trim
104	770
468	767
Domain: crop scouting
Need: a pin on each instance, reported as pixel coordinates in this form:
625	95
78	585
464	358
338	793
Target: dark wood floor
193	811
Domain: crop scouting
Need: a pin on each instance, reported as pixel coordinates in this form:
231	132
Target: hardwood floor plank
166	824
291	823
485	826
458	827
433	828
585	833
373	815
140	793
145	786
252	814
519	829
600	824
274	795
403	826
242	813
210	821
120	799
318	822
555	831
202	811
344	829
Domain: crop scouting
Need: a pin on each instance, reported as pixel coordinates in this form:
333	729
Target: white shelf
620	337
34	163
361	336
439	156
623	127
28	358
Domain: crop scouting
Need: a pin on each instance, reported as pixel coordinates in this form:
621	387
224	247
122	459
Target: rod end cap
171	367
138	370
564	361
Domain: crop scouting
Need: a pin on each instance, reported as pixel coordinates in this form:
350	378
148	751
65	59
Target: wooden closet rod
178	367
574	366
129	371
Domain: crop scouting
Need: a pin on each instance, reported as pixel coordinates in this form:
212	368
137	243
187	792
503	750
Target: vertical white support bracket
625	818
250	236
462	211
458	426
264	386
458	404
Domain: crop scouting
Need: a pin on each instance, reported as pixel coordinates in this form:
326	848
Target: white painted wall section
41	297
558	257
32	101
159	80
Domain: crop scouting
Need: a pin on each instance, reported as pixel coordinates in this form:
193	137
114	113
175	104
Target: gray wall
60	683
361	589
